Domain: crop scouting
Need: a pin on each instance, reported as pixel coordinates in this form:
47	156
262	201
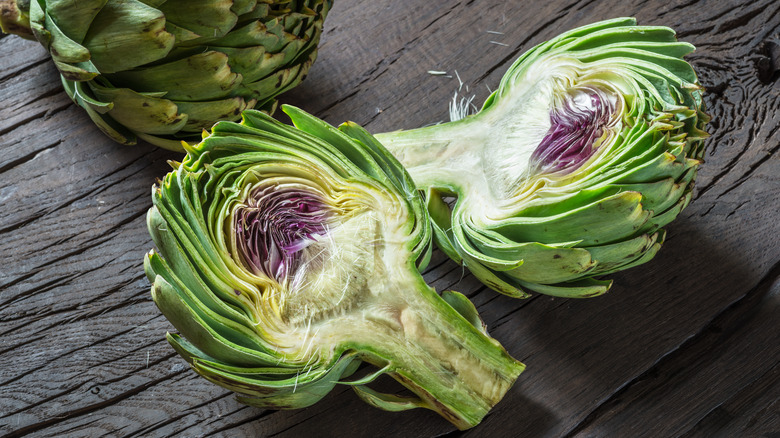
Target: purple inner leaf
274	225
574	128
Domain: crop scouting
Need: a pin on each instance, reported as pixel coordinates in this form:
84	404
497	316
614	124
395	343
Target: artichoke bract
287	257
164	70
587	148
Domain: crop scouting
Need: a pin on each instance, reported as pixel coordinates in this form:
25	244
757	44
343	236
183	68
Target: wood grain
686	345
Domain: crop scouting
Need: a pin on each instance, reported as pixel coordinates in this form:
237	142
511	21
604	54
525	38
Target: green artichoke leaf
64	49
624	252
658	196
162	141
242	7
79	72
297	391
466	308
204	76
642	256
361	157
274	387
214	293
125	35
211	334
587	148
286	256
441	223
74	17
15	18
96	110
368	378
244	60
559	263
80	93
200	115
209	18
262	11
387	402
159	116
69	56
182	36
494	279
380	159
610	219
254	33
279	80
153	3
586	288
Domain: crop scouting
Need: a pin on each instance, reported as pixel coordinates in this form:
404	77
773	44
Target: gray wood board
686	345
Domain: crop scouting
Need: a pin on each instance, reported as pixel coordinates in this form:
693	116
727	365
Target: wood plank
689	338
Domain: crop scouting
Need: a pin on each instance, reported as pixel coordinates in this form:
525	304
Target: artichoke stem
438	153
15	19
455	368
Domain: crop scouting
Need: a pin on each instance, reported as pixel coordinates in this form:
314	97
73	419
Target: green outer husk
609	218
154	71
437	347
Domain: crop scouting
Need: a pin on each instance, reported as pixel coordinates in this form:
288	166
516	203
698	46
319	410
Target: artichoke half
164	70
287	257
588	147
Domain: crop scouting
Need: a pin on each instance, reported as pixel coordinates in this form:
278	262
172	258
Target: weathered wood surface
687	345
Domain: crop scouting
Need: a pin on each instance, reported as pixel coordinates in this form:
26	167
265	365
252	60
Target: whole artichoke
289	256
164	70
587	148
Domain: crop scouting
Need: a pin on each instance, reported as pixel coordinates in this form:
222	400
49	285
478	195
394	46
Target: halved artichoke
163	70
289	256
587	148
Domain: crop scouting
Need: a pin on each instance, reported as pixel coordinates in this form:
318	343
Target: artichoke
287	257
587	148
164	70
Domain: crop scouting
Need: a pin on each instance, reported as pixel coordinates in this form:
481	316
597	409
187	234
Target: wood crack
15	281
71	352
90	408
752	168
715	418
741	20
37	115
42	288
16	162
156	426
501	319
447	12
727	168
165	358
209	420
45	400
62	281
250	419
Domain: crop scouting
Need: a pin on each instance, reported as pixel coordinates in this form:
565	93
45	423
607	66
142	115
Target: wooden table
686	345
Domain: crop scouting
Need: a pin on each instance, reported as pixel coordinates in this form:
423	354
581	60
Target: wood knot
768	62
